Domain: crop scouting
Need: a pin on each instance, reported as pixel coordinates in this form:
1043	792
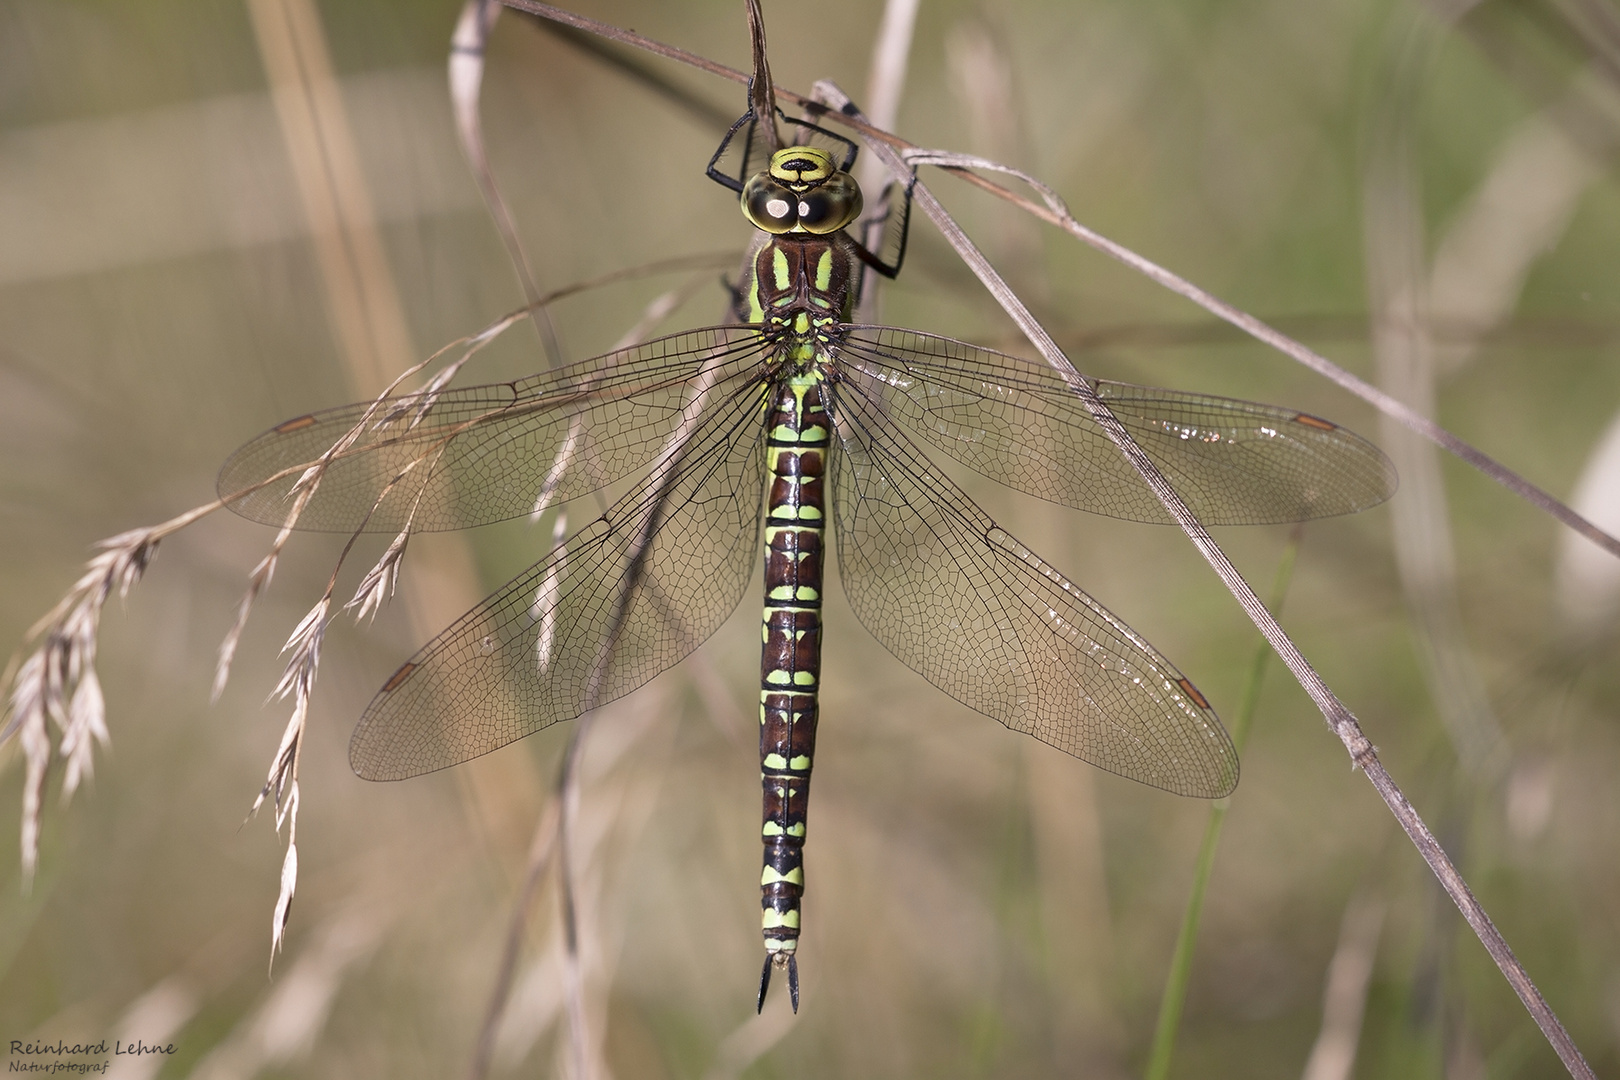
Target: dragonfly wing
626	597
964	604
1013	420
477	454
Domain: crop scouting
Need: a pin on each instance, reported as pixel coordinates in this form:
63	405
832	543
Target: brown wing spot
294	425
1186	688
1315	422
404	673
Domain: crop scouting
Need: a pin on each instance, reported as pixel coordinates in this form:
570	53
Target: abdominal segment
790	660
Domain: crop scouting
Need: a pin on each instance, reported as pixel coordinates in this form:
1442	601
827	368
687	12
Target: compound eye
769	205
830	207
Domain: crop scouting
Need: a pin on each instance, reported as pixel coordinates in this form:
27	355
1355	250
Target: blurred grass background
979	905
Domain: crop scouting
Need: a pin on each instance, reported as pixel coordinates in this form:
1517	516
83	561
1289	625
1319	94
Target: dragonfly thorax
799	288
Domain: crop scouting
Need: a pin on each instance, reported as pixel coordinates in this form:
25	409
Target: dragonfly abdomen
790	660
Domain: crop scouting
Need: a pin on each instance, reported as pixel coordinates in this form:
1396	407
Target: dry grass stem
544	611
985	88
541	848
378	584
981	863
56	685
297	680
58	682
885	82
1056	214
284	1027
405	410
466	76
258	581
1586	580
154	1017
300	494
408	411
305	646
1383	402
368	318
1338	716
1344	1000
289	880
761	87
664	475
886	79
468	47
1406	362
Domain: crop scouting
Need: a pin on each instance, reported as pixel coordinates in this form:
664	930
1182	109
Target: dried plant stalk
1340	719
1059	217
56	684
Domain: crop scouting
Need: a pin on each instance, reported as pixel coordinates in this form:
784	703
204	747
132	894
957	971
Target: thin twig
1061	218
664	477
1398	302
761	88
368	321
1339	718
1344	999
468	50
884	84
1057	213
1175	984
56	684
632	63
368	317
540	852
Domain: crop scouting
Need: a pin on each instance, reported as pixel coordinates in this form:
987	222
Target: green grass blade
1175	987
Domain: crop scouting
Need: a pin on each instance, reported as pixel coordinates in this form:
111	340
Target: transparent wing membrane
1013	420
951	594
965	605
929	574
634	592
480	454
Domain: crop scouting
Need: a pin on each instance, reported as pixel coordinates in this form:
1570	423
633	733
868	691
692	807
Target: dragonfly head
803	191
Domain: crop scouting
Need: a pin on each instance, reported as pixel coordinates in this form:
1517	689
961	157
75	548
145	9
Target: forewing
528	656
964	604
479	454
1013	420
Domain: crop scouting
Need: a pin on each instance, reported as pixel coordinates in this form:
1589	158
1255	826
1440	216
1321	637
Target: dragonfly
768	433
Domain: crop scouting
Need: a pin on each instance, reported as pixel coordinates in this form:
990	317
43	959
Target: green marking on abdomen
774	919
795	530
